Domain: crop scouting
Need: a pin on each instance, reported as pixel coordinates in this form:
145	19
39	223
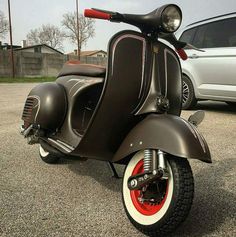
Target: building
6	46
91	53
40	48
94	53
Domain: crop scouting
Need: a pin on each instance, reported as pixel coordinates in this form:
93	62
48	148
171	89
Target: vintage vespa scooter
128	113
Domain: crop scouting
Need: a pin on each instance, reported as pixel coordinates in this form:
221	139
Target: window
216	34
37	49
188	35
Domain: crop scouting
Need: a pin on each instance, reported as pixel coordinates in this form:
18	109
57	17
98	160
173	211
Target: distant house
40	48
6	46
94	53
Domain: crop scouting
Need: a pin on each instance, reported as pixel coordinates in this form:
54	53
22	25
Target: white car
210	75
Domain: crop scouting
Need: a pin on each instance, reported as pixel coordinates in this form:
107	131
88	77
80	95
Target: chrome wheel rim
185	92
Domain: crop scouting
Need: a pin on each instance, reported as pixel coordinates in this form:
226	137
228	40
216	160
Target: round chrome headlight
171	18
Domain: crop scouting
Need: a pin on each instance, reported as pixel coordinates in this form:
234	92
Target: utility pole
77	16
10	30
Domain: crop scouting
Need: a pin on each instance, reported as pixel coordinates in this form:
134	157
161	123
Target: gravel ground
77	198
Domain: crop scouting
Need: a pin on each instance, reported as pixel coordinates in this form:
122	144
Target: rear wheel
47	157
188	99
173	197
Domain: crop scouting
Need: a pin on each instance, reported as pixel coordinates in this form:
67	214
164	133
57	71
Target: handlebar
117	17
96	14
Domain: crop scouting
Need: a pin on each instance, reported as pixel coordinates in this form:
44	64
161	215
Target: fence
38	64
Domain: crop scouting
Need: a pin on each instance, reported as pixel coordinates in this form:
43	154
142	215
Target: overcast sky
30	14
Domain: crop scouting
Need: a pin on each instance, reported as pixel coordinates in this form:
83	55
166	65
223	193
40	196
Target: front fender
169	133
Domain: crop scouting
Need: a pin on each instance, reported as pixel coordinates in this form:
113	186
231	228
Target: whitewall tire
157	219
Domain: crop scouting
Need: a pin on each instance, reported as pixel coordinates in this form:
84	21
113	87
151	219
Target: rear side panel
45	106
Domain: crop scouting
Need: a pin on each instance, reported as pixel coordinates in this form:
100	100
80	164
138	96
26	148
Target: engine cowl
45	106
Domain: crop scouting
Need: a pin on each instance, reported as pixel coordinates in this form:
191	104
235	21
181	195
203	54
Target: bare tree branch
4	26
47	34
86	28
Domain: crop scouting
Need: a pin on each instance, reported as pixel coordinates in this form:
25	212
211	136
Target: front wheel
173	197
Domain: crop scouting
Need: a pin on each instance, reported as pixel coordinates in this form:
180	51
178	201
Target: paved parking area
76	198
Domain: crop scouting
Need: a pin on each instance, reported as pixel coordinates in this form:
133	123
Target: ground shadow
214	203
98	170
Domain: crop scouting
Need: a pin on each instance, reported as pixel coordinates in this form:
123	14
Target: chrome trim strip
167	51
150	90
165	59
63	143
73	87
60	145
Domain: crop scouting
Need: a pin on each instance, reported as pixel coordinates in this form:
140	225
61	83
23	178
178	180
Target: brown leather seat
89	70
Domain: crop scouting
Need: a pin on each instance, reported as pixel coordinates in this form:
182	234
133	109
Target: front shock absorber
155	160
147	160
162	164
150	160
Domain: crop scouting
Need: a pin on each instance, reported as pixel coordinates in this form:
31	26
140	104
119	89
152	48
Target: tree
81	36
47	34
4	27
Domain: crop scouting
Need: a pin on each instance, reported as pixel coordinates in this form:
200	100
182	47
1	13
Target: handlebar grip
96	14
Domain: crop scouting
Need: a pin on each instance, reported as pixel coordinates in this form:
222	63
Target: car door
214	70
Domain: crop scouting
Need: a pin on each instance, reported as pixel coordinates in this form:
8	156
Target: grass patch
26	79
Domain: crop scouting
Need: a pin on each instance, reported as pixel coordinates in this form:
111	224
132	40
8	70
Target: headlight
171	18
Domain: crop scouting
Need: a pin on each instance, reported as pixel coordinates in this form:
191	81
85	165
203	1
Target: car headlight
171	18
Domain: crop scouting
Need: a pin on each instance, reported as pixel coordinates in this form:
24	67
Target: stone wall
39	65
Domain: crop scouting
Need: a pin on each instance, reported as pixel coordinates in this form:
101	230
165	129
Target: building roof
8	46
38	45
90	53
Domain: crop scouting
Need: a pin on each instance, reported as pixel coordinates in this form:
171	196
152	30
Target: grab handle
96	14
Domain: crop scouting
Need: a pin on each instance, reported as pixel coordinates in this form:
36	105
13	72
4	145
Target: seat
89	70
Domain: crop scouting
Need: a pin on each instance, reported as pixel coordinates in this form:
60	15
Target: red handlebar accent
96	14
182	54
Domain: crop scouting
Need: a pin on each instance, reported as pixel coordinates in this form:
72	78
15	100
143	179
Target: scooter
127	113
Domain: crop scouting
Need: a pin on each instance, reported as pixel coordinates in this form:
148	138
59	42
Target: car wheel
173	198
47	157
188	97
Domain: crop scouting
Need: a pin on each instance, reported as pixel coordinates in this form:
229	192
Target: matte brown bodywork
125	117
114	115
46	105
168	133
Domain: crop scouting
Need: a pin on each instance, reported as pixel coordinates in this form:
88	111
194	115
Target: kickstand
113	170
